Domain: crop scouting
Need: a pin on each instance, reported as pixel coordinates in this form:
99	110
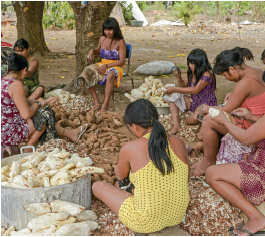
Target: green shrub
127	13
186	10
58	14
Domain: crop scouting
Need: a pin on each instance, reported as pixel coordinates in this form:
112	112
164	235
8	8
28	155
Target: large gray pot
12	199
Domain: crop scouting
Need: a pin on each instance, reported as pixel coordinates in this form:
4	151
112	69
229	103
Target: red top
255	104
14	129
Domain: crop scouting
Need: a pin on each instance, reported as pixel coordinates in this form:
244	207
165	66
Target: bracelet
39	103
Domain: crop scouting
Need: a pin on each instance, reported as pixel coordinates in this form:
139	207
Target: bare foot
75	133
175	129
198	146
104	108
253	225
202	167
195	164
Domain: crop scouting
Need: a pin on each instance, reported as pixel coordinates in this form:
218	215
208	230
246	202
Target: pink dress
252	180
14	129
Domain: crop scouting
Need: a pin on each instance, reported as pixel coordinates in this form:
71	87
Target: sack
155	68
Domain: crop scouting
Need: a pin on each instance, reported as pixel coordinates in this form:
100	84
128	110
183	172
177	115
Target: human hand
220	118
227	96
170	89
102	69
177	73
242	113
53	101
90	56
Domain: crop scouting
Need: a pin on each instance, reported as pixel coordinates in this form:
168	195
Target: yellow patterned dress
159	201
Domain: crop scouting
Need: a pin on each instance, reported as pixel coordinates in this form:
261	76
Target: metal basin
12	199
162	110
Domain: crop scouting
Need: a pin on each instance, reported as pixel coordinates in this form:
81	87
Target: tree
88	19
29	25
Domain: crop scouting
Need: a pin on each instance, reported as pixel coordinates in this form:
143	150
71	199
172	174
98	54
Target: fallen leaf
25	9
171	56
71	57
48	60
5	36
61	77
90	34
169	53
149	43
63	70
54	38
140	59
181	55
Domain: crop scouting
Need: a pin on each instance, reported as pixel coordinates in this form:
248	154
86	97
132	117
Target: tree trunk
88	20
29	25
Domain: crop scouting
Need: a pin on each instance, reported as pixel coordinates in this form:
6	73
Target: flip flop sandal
97	106
82	132
241	228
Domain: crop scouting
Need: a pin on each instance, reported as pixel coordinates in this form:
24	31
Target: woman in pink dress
243	183
17	111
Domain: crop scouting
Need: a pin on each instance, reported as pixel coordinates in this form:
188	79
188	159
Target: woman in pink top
249	91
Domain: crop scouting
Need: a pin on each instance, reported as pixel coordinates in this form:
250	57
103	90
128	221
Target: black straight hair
113	24
231	58
21	44
144	114
17	62
199	58
263	55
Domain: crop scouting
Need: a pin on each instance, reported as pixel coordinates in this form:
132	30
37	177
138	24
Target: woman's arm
26	108
92	52
33	67
236	99
123	167
245	114
16	91
247	137
181	83
188	90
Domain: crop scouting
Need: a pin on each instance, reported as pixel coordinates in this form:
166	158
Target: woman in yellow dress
158	167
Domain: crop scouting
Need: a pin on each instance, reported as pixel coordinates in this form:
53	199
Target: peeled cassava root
58	222
214	112
151	90
47	169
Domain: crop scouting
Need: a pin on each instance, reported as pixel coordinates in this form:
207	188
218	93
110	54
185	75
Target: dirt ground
150	43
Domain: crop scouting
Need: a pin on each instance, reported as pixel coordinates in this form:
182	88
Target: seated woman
200	82
158	167
243	184
36	90
231	150
249	92
20	117
112	50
